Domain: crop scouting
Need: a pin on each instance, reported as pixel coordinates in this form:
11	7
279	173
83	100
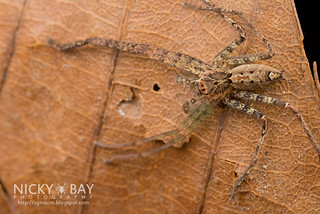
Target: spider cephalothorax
213	84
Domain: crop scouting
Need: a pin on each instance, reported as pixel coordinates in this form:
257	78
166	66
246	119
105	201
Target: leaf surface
54	105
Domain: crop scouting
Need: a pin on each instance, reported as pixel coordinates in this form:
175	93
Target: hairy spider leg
185	81
277	102
186	127
234	104
129	47
234	44
148	153
135	143
171	58
249	58
236	60
211	7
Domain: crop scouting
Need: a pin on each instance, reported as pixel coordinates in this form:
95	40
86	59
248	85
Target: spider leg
211	7
178	135
234	104
273	101
144	154
136	143
207	2
129	47
234	44
185	81
249	58
171	58
242	36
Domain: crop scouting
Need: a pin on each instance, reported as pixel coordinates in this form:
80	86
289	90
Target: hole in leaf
156	87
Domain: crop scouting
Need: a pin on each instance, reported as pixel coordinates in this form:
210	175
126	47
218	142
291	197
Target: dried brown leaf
53	104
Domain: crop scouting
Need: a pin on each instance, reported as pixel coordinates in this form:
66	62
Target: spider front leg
129	47
273	101
234	104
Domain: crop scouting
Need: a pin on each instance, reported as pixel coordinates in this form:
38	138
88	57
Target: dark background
309	16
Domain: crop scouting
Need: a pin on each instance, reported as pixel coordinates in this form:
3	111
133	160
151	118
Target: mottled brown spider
223	81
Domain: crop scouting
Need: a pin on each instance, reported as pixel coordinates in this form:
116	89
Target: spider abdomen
253	76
